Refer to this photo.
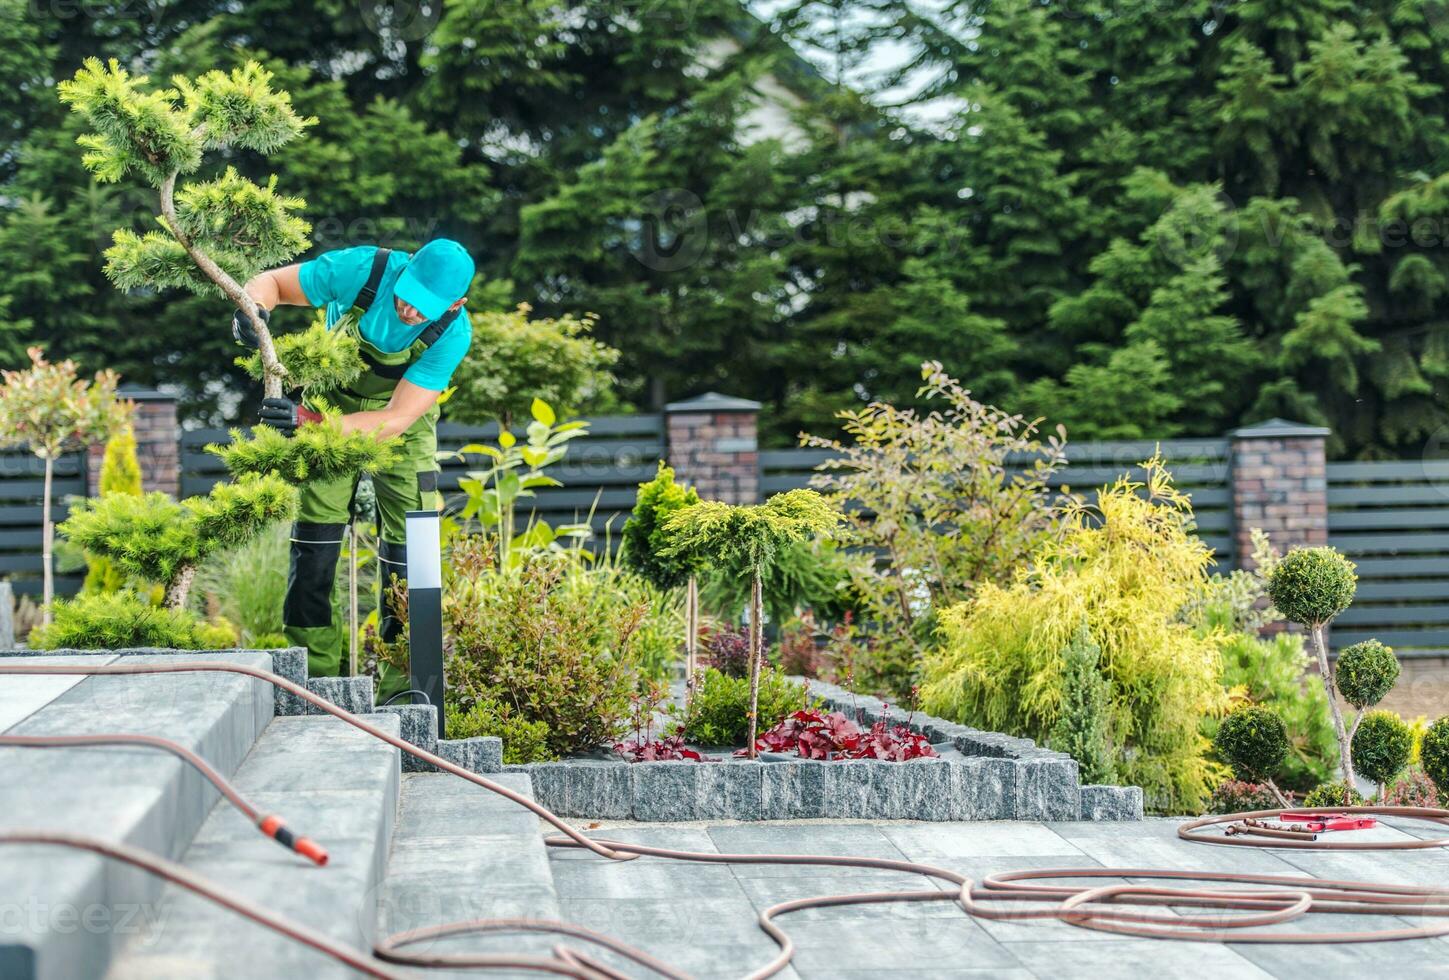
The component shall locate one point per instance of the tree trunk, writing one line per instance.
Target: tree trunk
(180, 586)
(272, 370)
(756, 643)
(691, 638)
(1345, 748)
(47, 546)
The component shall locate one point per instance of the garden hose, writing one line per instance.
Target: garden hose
(269, 824)
(1230, 914)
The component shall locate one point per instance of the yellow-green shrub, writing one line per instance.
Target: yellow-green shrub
(1125, 567)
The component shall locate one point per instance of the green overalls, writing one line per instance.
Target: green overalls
(313, 611)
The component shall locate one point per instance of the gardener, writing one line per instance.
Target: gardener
(406, 312)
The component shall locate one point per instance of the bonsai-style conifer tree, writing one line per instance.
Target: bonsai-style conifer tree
(212, 236)
(53, 411)
(1310, 586)
(746, 540)
(645, 546)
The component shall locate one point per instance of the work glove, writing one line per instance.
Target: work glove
(244, 332)
(285, 415)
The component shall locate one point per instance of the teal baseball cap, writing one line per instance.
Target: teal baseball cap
(436, 277)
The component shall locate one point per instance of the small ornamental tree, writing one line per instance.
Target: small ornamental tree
(1254, 741)
(1434, 754)
(213, 235)
(1382, 745)
(1310, 586)
(53, 411)
(1365, 672)
(644, 551)
(746, 539)
(155, 538)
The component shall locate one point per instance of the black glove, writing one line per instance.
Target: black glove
(244, 332)
(285, 415)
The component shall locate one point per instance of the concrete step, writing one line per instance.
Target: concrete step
(461, 852)
(77, 909)
(330, 782)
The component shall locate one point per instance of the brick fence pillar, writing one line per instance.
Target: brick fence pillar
(712, 444)
(158, 443)
(1279, 484)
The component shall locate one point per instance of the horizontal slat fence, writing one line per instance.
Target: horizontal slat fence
(1199, 467)
(22, 487)
(1392, 519)
(601, 472)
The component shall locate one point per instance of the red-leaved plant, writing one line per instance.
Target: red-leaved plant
(814, 734)
(671, 748)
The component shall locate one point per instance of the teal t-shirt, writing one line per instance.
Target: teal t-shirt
(333, 279)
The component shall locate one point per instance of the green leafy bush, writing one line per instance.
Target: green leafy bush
(316, 451)
(1434, 753)
(1414, 788)
(552, 638)
(901, 476)
(1254, 741)
(1124, 567)
(116, 620)
(523, 741)
(1272, 671)
(1335, 793)
(1081, 726)
(1381, 746)
(719, 712)
(1365, 673)
(1312, 585)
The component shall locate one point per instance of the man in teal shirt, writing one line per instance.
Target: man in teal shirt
(406, 312)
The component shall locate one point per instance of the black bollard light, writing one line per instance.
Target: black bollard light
(425, 606)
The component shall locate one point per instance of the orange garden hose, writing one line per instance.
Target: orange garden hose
(1230, 914)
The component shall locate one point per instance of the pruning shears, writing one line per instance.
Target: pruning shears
(1319, 822)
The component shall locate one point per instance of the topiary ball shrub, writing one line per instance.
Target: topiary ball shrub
(1434, 753)
(1254, 741)
(1382, 746)
(1333, 794)
(1312, 585)
(1365, 673)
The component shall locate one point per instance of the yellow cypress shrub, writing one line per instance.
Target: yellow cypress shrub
(120, 473)
(1124, 566)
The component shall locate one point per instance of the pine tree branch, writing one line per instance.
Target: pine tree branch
(272, 370)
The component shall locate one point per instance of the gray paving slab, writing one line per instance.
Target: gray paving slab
(926, 842)
(326, 780)
(21, 696)
(1134, 958)
(855, 839)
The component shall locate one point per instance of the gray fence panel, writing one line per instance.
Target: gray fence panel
(1392, 520)
(22, 487)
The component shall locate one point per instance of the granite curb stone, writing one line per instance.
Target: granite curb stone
(418, 725)
(1111, 803)
(482, 754)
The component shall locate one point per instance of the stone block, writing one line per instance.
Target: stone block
(291, 663)
(858, 789)
(480, 754)
(352, 694)
(1111, 803)
(666, 790)
(793, 790)
(731, 790)
(922, 790)
(419, 726)
(600, 789)
(551, 786)
(982, 788)
(1046, 789)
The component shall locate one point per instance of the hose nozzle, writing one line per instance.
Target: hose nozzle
(277, 830)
